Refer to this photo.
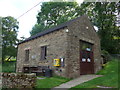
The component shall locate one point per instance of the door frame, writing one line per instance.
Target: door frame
(92, 51)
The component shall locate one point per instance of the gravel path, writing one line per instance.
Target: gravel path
(77, 81)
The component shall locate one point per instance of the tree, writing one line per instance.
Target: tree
(21, 39)
(54, 13)
(102, 14)
(37, 28)
(9, 37)
(106, 21)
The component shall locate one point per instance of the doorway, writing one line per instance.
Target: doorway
(86, 58)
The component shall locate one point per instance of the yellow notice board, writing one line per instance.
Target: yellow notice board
(56, 62)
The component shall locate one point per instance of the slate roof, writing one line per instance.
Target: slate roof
(49, 31)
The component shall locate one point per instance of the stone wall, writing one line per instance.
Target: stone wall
(14, 80)
(63, 43)
(81, 29)
(56, 48)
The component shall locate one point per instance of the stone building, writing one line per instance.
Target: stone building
(70, 49)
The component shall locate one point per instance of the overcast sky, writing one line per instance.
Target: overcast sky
(16, 8)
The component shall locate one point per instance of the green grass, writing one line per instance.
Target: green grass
(50, 82)
(8, 67)
(110, 78)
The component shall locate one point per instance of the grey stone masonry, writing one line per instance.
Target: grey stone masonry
(61, 42)
(15, 80)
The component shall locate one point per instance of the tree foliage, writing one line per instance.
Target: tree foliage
(102, 14)
(9, 36)
(54, 13)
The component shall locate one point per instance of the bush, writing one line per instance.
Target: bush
(106, 56)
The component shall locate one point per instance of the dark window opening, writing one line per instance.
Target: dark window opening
(86, 46)
(43, 52)
(27, 55)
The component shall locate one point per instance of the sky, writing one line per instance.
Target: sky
(16, 8)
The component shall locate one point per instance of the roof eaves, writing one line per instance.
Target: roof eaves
(42, 34)
(49, 30)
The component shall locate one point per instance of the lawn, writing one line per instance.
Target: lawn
(50, 82)
(110, 78)
(9, 66)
